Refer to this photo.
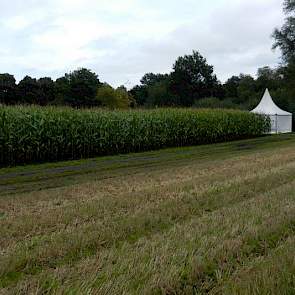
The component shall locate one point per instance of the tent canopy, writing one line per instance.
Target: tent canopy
(268, 107)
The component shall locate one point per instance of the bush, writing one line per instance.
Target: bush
(214, 102)
(113, 98)
(36, 134)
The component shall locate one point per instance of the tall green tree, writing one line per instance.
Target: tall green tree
(285, 40)
(47, 91)
(285, 37)
(79, 88)
(193, 78)
(28, 90)
(286, 91)
(231, 87)
(142, 93)
(268, 78)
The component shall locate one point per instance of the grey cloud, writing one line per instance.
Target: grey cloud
(233, 35)
(233, 39)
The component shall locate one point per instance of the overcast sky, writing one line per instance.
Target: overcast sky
(123, 39)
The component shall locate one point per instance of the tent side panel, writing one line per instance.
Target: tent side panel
(280, 124)
(273, 121)
(284, 124)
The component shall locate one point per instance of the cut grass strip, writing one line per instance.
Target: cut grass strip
(96, 228)
(273, 273)
(90, 207)
(82, 241)
(22, 204)
(191, 257)
(34, 178)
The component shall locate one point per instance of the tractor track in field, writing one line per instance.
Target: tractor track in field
(21, 178)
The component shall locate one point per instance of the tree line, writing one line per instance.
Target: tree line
(192, 82)
(80, 88)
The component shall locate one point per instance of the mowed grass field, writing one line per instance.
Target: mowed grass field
(215, 219)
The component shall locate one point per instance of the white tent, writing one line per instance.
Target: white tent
(281, 121)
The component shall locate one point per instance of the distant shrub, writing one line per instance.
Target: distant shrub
(215, 103)
(113, 98)
(36, 134)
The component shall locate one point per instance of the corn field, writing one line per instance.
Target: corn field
(36, 134)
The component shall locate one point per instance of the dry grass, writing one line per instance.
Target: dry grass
(220, 224)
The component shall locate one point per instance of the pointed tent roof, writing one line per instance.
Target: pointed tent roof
(268, 107)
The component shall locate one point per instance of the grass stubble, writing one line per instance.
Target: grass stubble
(221, 227)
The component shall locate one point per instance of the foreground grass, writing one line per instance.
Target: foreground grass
(212, 219)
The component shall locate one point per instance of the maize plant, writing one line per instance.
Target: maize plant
(30, 134)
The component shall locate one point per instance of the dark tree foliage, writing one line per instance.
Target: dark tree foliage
(29, 91)
(285, 40)
(231, 86)
(192, 79)
(246, 90)
(268, 78)
(286, 91)
(289, 5)
(214, 102)
(80, 88)
(47, 91)
(62, 89)
(140, 94)
(151, 79)
(159, 95)
(7, 89)
(285, 37)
